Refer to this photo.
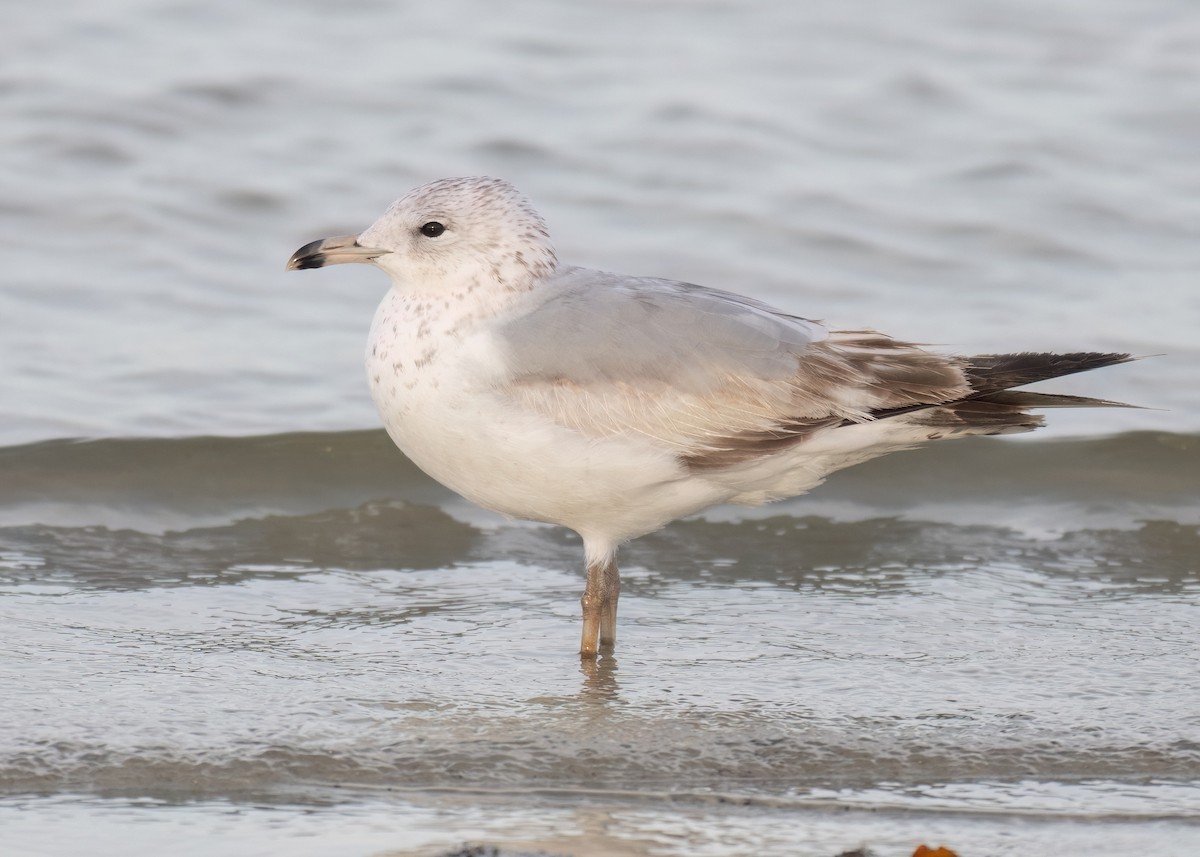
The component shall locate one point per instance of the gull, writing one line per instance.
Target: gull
(614, 404)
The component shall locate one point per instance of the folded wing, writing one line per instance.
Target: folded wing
(713, 377)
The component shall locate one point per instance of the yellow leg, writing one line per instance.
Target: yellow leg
(608, 613)
(600, 608)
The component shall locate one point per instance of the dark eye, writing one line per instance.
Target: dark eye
(432, 229)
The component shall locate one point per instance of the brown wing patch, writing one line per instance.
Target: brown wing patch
(902, 379)
(843, 380)
(885, 372)
(748, 446)
(726, 418)
(975, 416)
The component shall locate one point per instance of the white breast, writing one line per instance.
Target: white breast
(434, 372)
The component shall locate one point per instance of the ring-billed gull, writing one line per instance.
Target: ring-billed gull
(613, 404)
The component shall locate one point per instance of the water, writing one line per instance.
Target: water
(314, 628)
(237, 618)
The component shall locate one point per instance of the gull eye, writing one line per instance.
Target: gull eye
(432, 229)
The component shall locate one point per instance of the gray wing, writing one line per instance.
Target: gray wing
(703, 372)
(607, 327)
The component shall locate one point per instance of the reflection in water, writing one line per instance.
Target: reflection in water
(599, 679)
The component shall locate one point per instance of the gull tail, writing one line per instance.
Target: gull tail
(991, 373)
(994, 407)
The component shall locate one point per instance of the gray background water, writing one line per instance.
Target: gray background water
(985, 176)
(219, 646)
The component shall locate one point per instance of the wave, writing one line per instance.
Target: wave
(159, 484)
(133, 513)
(638, 756)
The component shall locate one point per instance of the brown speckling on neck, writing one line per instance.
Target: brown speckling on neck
(463, 323)
(426, 357)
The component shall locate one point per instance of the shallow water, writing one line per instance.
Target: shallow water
(348, 639)
(237, 621)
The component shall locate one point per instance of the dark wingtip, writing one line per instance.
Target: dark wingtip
(989, 373)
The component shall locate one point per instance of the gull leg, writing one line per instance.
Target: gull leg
(599, 603)
(608, 611)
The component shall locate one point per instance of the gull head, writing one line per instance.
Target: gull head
(447, 235)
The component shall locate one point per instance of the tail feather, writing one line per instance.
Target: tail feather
(989, 373)
(1026, 399)
(994, 408)
(976, 416)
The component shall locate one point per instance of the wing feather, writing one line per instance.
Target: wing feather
(712, 377)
